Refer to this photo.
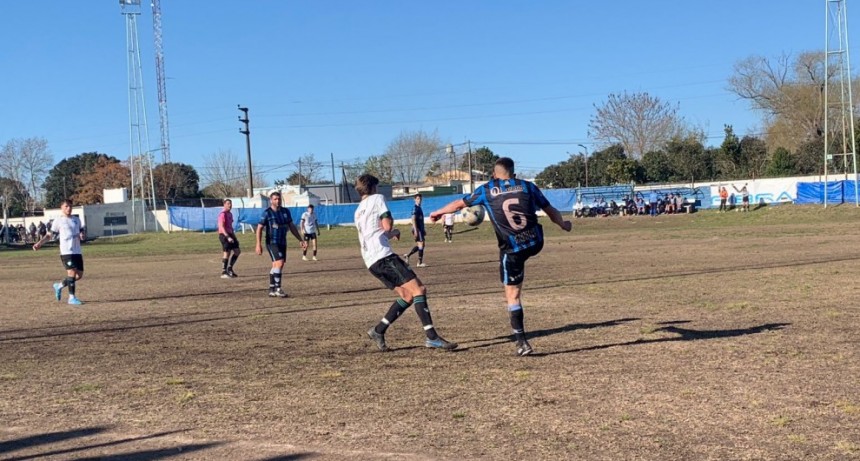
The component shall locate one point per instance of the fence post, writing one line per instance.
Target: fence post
(203, 209)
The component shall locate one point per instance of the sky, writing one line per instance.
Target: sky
(345, 78)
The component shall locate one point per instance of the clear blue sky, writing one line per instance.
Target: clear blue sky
(347, 77)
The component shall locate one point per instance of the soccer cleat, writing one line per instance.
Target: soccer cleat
(440, 343)
(406, 258)
(279, 293)
(422, 265)
(304, 258)
(378, 338)
(232, 274)
(524, 348)
(58, 291)
(315, 258)
(273, 294)
(75, 302)
(225, 275)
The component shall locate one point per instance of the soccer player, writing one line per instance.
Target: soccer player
(276, 220)
(229, 242)
(513, 205)
(418, 232)
(310, 228)
(375, 228)
(448, 223)
(71, 236)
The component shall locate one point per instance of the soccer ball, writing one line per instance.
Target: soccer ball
(473, 215)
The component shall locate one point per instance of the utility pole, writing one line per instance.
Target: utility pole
(471, 181)
(336, 200)
(247, 133)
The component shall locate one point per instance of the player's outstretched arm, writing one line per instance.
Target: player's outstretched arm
(452, 207)
(556, 217)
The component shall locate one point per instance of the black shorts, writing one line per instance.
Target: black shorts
(512, 266)
(449, 227)
(420, 235)
(311, 236)
(227, 246)
(75, 262)
(392, 271)
(746, 199)
(277, 251)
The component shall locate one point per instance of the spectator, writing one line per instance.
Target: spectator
(653, 199)
(745, 197)
(670, 203)
(724, 195)
(640, 205)
(32, 232)
(43, 231)
(679, 203)
(578, 208)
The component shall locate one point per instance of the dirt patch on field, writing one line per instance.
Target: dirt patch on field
(684, 344)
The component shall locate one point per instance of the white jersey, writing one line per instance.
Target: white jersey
(449, 219)
(70, 234)
(374, 243)
(309, 223)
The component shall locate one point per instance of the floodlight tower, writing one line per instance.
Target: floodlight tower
(161, 81)
(138, 132)
(838, 97)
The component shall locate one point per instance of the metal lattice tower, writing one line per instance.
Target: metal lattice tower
(838, 96)
(138, 131)
(161, 81)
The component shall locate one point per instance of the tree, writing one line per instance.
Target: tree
(809, 157)
(13, 201)
(105, 174)
(789, 93)
(411, 154)
(638, 122)
(483, 159)
(624, 170)
(176, 180)
(567, 174)
(598, 165)
(297, 179)
(729, 157)
(690, 160)
(226, 175)
(61, 182)
(26, 161)
(379, 166)
(754, 155)
(657, 166)
(781, 163)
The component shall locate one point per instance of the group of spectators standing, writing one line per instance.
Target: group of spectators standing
(21, 234)
(654, 204)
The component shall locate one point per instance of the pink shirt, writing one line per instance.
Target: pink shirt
(225, 223)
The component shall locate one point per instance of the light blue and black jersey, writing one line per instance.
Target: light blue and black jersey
(512, 205)
(418, 214)
(277, 224)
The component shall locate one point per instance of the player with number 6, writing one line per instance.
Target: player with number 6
(512, 204)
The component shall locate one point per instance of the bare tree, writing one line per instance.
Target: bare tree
(638, 122)
(411, 155)
(27, 161)
(789, 93)
(309, 169)
(224, 174)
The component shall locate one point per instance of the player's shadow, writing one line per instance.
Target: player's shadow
(66, 437)
(548, 332)
(684, 334)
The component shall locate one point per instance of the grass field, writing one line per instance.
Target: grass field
(702, 336)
